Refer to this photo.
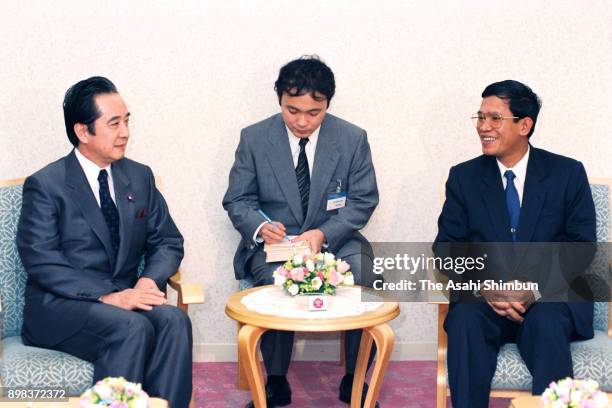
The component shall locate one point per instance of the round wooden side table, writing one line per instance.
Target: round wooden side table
(373, 323)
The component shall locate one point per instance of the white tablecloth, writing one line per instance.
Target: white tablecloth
(275, 301)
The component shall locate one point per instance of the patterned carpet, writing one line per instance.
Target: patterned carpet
(407, 384)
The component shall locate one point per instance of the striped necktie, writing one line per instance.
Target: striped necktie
(302, 174)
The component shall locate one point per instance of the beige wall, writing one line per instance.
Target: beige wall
(410, 72)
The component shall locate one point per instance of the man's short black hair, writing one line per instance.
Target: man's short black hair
(522, 101)
(80, 107)
(307, 74)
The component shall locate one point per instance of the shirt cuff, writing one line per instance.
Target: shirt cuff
(536, 294)
(256, 239)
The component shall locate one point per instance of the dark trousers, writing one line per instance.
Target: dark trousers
(153, 348)
(276, 345)
(476, 333)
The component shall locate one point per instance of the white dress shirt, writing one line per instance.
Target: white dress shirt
(92, 171)
(520, 172)
(310, 148)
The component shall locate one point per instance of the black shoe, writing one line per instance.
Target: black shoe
(346, 387)
(277, 395)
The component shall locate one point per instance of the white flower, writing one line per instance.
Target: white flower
(141, 403)
(104, 391)
(349, 280)
(319, 257)
(316, 283)
(329, 258)
(601, 399)
(298, 260)
(576, 397)
(279, 280)
(293, 290)
(559, 404)
(310, 265)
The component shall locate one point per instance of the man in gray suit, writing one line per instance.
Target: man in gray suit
(87, 220)
(290, 166)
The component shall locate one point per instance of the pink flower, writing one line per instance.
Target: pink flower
(335, 278)
(282, 271)
(321, 276)
(297, 274)
(343, 267)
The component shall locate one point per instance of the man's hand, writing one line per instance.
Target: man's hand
(272, 233)
(512, 304)
(315, 239)
(137, 298)
(511, 310)
(145, 283)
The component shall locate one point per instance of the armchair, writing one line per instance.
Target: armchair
(24, 366)
(592, 358)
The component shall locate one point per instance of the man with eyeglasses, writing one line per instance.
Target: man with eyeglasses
(513, 193)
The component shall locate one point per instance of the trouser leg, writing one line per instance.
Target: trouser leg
(168, 372)
(475, 335)
(544, 343)
(276, 345)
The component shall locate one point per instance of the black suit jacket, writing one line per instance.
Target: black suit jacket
(65, 244)
(557, 206)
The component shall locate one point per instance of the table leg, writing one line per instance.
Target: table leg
(361, 367)
(248, 337)
(242, 379)
(383, 336)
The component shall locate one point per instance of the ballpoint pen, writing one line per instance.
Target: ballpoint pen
(263, 214)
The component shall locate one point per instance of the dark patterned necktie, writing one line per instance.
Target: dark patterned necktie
(109, 210)
(302, 173)
(513, 203)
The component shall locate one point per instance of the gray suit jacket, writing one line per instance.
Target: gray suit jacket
(263, 176)
(66, 249)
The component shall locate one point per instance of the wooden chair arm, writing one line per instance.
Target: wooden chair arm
(188, 293)
(441, 386)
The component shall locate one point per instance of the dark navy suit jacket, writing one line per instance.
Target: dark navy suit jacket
(557, 206)
(65, 244)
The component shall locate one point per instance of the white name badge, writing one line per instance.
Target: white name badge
(336, 200)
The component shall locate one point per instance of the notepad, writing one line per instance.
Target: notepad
(284, 251)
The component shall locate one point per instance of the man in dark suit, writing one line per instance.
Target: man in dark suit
(87, 220)
(290, 166)
(513, 193)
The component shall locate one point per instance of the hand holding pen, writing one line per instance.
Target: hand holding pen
(272, 232)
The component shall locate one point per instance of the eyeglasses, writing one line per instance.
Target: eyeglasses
(495, 119)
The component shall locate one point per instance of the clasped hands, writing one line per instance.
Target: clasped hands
(144, 296)
(275, 233)
(511, 304)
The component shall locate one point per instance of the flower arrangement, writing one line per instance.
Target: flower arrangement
(115, 392)
(314, 273)
(570, 393)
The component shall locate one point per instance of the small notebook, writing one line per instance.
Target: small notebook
(285, 251)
